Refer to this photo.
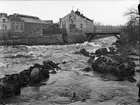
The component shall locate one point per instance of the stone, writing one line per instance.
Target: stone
(83, 52)
(44, 74)
(91, 60)
(112, 50)
(124, 71)
(101, 51)
(50, 65)
(38, 75)
(9, 87)
(130, 79)
(117, 43)
(87, 69)
(24, 78)
(36, 65)
(34, 76)
(1, 91)
(52, 72)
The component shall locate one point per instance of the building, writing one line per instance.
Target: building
(18, 25)
(76, 20)
(76, 25)
(48, 21)
(5, 25)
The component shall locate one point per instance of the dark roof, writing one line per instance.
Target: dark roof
(29, 19)
(3, 14)
(81, 15)
(14, 18)
(26, 16)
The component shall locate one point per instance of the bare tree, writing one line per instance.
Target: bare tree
(132, 26)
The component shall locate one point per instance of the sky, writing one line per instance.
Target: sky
(108, 12)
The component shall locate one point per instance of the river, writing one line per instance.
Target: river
(90, 88)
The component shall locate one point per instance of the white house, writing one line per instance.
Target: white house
(76, 20)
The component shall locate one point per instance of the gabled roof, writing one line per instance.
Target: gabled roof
(81, 15)
(5, 14)
(26, 16)
(29, 19)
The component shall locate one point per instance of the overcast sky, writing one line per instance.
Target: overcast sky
(103, 11)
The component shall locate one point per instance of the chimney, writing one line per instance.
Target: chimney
(77, 12)
(72, 11)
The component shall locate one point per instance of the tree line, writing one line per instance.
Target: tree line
(130, 30)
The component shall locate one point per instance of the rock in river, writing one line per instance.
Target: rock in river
(83, 52)
(10, 85)
(101, 51)
(105, 64)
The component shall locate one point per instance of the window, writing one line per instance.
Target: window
(5, 27)
(17, 27)
(72, 26)
(81, 25)
(21, 27)
(3, 20)
(13, 25)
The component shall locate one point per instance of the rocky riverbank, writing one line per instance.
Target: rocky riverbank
(11, 85)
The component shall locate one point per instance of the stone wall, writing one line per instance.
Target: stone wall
(51, 39)
(76, 37)
(40, 40)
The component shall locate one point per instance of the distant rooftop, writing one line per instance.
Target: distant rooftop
(26, 16)
(28, 19)
(15, 18)
(3, 14)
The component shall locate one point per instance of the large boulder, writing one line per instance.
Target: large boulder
(112, 50)
(117, 43)
(126, 69)
(38, 75)
(105, 64)
(83, 52)
(44, 74)
(24, 77)
(9, 87)
(91, 59)
(121, 58)
(50, 65)
(101, 51)
(34, 76)
(87, 69)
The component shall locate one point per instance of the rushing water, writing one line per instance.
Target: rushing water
(14, 59)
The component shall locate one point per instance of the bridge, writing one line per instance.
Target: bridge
(90, 36)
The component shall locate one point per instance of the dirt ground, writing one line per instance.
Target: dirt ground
(70, 85)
